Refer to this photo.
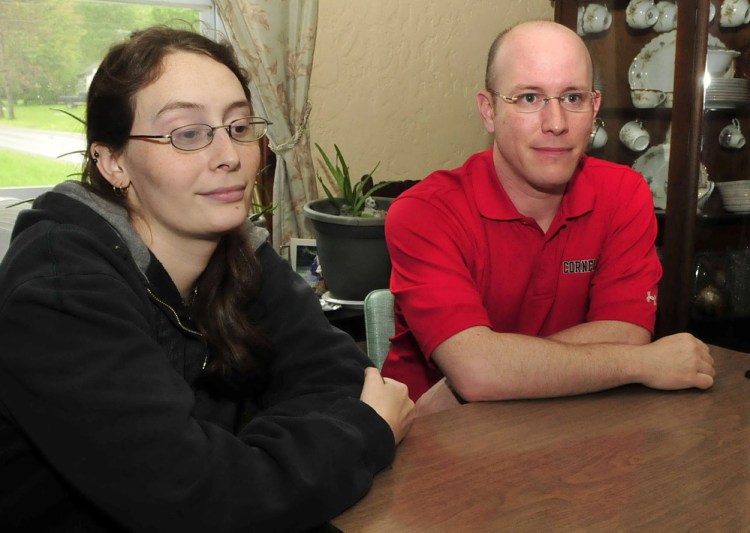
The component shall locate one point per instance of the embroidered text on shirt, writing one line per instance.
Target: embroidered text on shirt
(579, 266)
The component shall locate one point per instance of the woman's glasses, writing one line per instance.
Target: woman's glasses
(196, 136)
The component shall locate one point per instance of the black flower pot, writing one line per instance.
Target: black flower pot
(351, 250)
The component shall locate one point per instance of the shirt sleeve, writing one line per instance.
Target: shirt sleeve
(625, 287)
(434, 261)
(85, 382)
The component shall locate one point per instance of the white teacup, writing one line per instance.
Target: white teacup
(667, 20)
(734, 13)
(731, 136)
(641, 14)
(647, 98)
(599, 135)
(596, 18)
(711, 11)
(579, 23)
(634, 136)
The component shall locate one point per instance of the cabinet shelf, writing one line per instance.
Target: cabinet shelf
(727, 106)
(724, 218)
(709, 220)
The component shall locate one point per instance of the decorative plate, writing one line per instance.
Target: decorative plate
(654, 166)
(653, 67)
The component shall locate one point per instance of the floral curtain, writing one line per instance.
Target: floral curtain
(276, 40)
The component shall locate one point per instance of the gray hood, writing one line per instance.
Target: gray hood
(118, 218)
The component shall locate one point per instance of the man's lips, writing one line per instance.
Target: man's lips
(552, 150)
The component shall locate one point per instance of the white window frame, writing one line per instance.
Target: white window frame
(211, 24)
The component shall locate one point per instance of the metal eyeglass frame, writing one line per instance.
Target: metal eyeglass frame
(546, 98)
(229, 127)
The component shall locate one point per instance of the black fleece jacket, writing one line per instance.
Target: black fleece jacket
(107, 420)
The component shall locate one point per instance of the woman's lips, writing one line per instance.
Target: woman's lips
(226, 194)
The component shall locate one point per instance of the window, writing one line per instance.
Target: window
(49, 51)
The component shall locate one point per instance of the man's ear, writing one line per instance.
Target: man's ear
(597, 102)
(486, 110)
(108, 163)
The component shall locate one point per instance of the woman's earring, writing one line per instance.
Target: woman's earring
(95, 159)
(121, 191)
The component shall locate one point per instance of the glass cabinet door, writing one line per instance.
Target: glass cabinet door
(629, 53)
(675, 83)
(720, 299)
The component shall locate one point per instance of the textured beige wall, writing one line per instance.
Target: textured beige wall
(394, 80)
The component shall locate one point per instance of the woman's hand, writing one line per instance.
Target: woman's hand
(390, 399)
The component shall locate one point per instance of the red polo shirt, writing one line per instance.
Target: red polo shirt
(464, 256)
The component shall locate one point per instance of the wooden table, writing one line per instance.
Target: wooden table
(629, 459)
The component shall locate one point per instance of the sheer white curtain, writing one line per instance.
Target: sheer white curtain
(276, 40)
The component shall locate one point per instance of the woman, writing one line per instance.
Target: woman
(162, 368)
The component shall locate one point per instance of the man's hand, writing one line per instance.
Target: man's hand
(677, 362)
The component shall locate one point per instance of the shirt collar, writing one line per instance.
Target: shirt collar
(494, 203)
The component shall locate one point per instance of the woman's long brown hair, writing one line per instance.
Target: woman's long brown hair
(232, 277)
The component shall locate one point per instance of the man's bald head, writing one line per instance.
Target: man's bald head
(519, 39)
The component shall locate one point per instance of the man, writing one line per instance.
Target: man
(531, 270)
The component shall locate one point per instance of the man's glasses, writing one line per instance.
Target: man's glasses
(576, 101)
(196, 136)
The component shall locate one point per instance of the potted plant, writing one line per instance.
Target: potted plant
(349, 229)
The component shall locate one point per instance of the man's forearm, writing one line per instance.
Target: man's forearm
(483, 365)
(604, 331)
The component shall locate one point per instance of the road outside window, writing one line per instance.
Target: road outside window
(49, 52)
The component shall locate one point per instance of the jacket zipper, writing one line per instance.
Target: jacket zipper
(179, 322)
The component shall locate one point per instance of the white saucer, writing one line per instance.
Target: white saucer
(346, 303)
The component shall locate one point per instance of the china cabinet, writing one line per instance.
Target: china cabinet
(658, 73)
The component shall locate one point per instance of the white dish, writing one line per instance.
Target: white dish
(738, 210)
(735, 196)
(328, 297)
(653, 67)
(731, 82)
(327, 306)
(654, 166)
(734, 185)
(725, 103)
(723, 93)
